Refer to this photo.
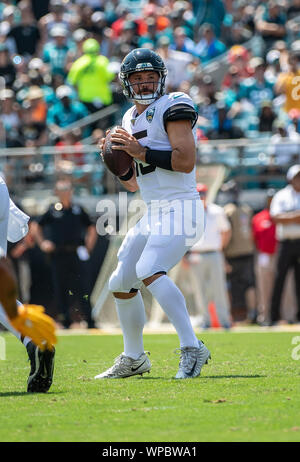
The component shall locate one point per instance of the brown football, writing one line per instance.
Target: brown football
(117, 161)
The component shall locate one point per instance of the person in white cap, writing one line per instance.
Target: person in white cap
(285, 211)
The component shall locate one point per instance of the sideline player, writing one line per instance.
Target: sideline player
(158, 133)
(27, 322)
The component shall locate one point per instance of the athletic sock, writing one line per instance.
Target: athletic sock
(173, 303)
(131, 313)
(4, 320)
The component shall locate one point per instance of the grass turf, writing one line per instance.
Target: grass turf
(248, 392)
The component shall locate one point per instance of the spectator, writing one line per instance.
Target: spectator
(284, 145)
(57, 16)
(181, 42)
(26, 34)
(264, 235)
(271, 23)
(209, 46)
(91, 76)
(7, 68)
(257, 88)
(209, 11)
(207, 263)
(67, 235)
(65, 111)
(152, 34)
(222, 124)
(33, 114)
(56, 52)
(285, 212)
(10, 117)
(288, 84)
(267, 117)
(207, 104)
(176, 62)
(240, 257)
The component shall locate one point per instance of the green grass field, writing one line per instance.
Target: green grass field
(248, 392)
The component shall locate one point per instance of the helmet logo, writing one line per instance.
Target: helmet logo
(142, 66)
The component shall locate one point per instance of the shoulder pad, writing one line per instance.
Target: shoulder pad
(180, 111)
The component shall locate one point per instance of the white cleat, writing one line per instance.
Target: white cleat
(124, 366)
(192, 360)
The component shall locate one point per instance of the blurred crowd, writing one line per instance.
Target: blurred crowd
(59, 61)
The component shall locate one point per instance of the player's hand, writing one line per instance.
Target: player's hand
(47, 246)
(101, 144)
(32, 322)
(128, 144)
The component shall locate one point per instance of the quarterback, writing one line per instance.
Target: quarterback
(28, 323)
(158, 133)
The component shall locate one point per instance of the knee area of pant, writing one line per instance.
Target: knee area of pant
(115, 283)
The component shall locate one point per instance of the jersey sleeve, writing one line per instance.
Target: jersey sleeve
(179, 106)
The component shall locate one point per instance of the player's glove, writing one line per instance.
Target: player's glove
(32, 322)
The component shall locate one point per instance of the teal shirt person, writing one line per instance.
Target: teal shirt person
(65, 110)
(209, 11)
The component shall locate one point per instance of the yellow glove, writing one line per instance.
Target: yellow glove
(32, 322)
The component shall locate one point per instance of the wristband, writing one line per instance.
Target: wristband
(157, 158)
(127, 175)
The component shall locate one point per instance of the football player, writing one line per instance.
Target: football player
(158, 133)
(28, 323)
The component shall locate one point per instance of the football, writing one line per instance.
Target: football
(117, 161)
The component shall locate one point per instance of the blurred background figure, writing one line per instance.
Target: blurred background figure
(91, 77)
(66, 233)
(207, 264)
(285, 212)
(264, 235)
(239, 255)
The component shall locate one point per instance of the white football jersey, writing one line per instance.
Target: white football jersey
(157, 183)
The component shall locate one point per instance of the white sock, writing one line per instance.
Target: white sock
(131, 312)
(4, 320)
(173, 303)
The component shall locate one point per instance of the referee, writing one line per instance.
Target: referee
(66, 233)
(285, 211)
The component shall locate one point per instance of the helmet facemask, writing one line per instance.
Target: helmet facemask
(149, 98)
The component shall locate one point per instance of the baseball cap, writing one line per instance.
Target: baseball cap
(6, 93)
(272, 56)
(58, 31)
(292, 172)
(62, 91)
(256, 62)
(35, 92)
(79, 34)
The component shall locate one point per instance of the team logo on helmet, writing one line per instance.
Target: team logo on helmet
(142, 66)
(150, 114)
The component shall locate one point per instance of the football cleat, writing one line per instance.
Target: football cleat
(192, 360)
(124, 366)
(42, 367)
